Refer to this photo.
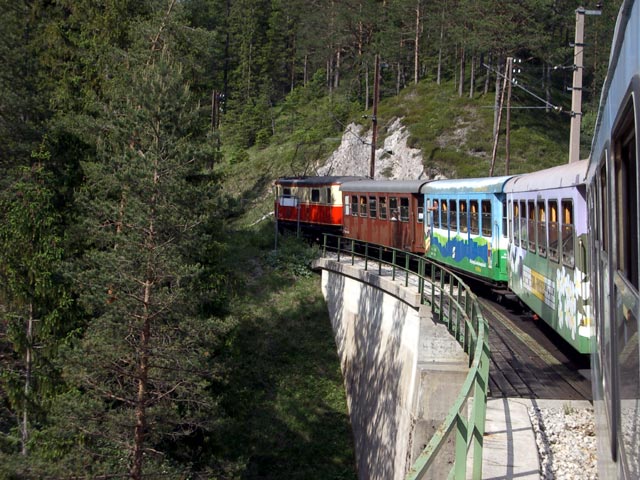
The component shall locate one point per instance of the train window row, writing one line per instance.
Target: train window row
(380, 207)
(535, 225)
(313, 195)
(463, 216)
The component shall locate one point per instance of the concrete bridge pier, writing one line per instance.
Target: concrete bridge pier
(402, 370)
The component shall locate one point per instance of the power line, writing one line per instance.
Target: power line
(537, 97)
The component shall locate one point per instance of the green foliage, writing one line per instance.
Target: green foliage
(293, 257)
(286, 414)
(36, 301)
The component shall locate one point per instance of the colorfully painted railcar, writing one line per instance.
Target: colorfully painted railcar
(466, 226)
(614, 208)
(389, 213)
(310, 204)
(548, 260)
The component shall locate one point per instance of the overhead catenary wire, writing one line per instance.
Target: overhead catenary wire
(537, 97)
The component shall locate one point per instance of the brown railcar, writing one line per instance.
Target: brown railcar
(389, 213)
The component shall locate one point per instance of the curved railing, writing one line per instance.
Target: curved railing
(453, 304)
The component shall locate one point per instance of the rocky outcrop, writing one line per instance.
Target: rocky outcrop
(394, 159)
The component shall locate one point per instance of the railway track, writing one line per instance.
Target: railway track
(528, 360)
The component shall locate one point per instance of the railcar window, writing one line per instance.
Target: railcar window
(627, 204)
(486, 218)
(286, 192)
(542, 228)
(444, 214)
(475, 221)
(373, 207)
(523, 224)
(464, 216)
(515, 227)
(404, 209)
(315, 195)
(382, 204)
(553, 230)
(329, 196)
(504, 218)
(604, 206)
(347, 205)
(354, 205)
(363, 206)
(567, 233)
(531, 216)
(453, 216)
(393, 206)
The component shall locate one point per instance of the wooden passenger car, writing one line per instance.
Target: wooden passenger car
(389, 213)
(310, 203)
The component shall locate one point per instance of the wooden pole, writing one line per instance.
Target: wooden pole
(497, 132)
(374, 117)
(507, 135)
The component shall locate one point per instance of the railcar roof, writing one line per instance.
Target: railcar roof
(317, 180)
(384, 186)
(566, 175)
(477, 185)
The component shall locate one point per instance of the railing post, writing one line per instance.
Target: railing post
(406, 269)
(353, 252)
(433, 286)
(457, 322)
(462, 433)
(421, 270)
(366, 256)
(393, 265)
(440, 307)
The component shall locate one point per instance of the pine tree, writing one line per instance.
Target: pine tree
(35, 301)
(140, 373)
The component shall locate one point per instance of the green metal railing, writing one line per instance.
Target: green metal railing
(452, 303)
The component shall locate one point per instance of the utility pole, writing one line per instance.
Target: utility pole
(507, 80)
(507, 134)
(576, 89)
(374, 117)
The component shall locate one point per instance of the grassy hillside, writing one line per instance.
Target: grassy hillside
(454, 134)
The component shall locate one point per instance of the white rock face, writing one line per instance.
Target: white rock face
(394, 159)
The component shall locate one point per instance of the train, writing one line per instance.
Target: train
(565, 241)
(521, 234)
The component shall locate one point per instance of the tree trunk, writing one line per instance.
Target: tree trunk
(336, 77)
(547, 84)
(28, 361)
(496, 102)
(416, 47)
(439, 76)
(306, 73)
(463, 60)
(472, 80)
(488, 77)
(366, 86)
(143, 376)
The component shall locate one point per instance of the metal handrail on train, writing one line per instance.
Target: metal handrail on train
(453, 304)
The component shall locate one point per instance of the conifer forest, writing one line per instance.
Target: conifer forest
(126, 131)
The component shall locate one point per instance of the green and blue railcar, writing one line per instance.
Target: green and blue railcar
(466, 227)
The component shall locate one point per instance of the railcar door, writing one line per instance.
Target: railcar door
(417, 224)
